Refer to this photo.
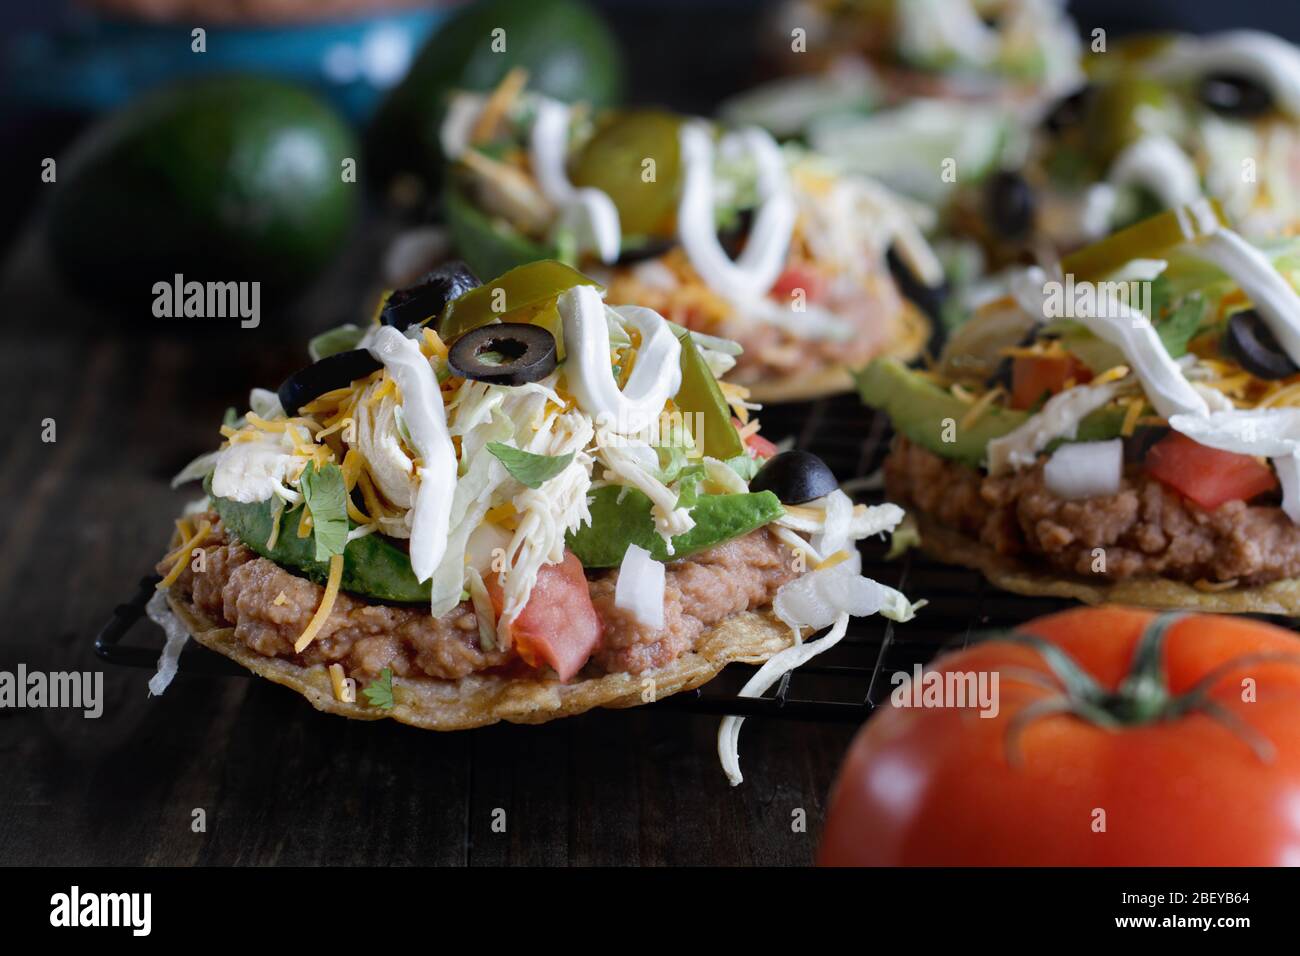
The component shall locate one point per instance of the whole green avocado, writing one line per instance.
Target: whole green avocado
(232, 178)
(567, 49)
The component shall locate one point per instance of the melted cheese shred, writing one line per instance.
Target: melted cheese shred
(326, 605)
(182, 553)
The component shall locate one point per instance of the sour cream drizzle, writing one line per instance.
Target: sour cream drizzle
(589, 212)
(655, 378)
(1273, 297)
(1271, 60)
(759, 265)
(1133, 334)
(1156, 163)
(426, 420)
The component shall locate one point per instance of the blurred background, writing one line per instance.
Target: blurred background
(67, 63)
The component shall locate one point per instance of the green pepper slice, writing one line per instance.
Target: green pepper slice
(1148, 239)
(1115, 117)
(614, 161)
(516, 296)
(699, 393)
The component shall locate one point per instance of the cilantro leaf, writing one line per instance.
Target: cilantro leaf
(380, 691)
(527, 468)
(326, 498)
(1179, 326)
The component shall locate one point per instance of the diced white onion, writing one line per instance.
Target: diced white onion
(1085, 469)
(640, 587)
(1059, 418)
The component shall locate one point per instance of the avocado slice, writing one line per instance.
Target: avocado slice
(919, 410)
(372, 566)
(218, 179)
(616, 523)
(699, 394)
(491, 247)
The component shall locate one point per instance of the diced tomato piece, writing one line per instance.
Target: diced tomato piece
(799, 277)
(1206, 475)
(559, 625)
(1032, 377)
(759, 447)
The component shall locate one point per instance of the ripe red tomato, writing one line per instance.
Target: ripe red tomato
(1213, 786)
(1206, 475)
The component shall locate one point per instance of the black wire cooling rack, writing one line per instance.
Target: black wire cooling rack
(842, 684)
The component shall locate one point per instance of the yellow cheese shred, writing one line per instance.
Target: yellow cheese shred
(343, 692)
(276, 514)
(433, 344)
(982, 405)
(182, 553)
(1131, 415)
(326, 605)
(829, 562)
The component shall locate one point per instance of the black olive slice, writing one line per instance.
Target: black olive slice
(1069, 111)
(795, 477)
(1249, 340)
(1009, 204)
(426, 298)
(331, 372)
(504, 353)
(651, 248)
(929, 299)
(1236, 95)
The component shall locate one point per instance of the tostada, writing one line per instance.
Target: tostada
(511, 502)
(1124, 428)
(721, 230)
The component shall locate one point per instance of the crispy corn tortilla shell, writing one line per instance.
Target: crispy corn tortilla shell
(836, 379)
(938, 541)
(478, 700)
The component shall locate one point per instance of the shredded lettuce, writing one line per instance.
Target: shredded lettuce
(336, 340)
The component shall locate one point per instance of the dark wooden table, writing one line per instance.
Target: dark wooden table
(87, 515)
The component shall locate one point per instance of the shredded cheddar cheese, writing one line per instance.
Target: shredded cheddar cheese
(1211, 587)
(838, 557)
(326, 605)
(343, 691)
(276, 515)
(182, 554)
(1113, 374)
(982, 405)
(1132, 412)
